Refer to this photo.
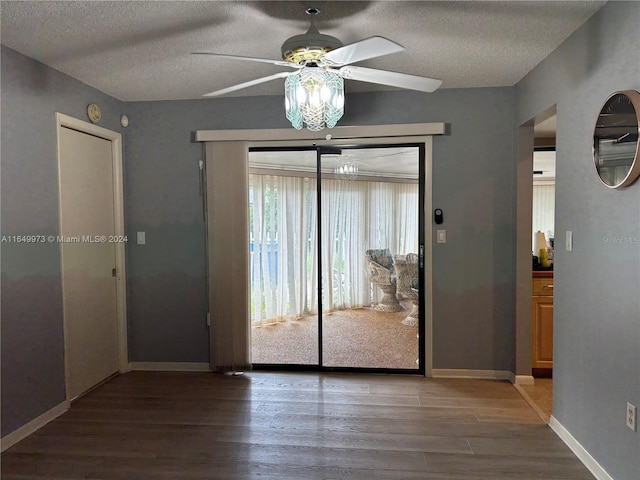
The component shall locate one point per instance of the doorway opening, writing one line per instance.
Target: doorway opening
(337, 257)
(543, 242)
(535, 277)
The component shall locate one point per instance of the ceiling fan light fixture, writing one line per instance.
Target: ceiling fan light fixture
(310, 46)
(314, 97)
(346, 169)
(303, 55)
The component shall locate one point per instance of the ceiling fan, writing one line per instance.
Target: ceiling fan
(314, 90)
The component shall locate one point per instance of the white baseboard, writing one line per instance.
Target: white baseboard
(171, 366)
(14, 437)
(478, 374)
(583, 455)
(524, 380)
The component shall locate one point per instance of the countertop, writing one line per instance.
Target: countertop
(542, 273)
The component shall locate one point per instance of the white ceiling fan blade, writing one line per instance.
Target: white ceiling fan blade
(371, 47)
(393, 79)
(281, 63)
(250, 83)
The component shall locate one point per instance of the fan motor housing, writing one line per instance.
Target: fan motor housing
(308, 47)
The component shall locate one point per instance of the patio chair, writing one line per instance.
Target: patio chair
(406, 268)
(380, 272)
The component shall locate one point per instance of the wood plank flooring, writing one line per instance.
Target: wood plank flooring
(540, 395)
(295, 426)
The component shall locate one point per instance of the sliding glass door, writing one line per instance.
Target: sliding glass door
(369, 230)
(336, 263)
(283, 218)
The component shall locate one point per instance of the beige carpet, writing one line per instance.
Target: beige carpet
(361, 337)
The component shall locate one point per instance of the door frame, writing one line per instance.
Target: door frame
(372, 134)
(65, 121)
(424, 184)
(525, 147)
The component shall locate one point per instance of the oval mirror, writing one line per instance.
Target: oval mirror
(615, 140)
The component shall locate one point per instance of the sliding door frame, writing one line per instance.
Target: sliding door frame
(369, 135)
(422, 173)
(422, 215)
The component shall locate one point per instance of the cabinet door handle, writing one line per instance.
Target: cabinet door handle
(547, 286)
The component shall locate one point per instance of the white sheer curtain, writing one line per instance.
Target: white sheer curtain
(343, 227)
(356, 216)
(394, 216)
(544, 200)
(283, 250)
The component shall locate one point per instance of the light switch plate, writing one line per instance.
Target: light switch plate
(631, 416)
(141, 238)
(441, 236)
(569, 241)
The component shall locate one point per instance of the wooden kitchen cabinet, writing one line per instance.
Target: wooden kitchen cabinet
(542, 320)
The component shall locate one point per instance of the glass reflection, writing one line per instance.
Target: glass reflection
(615, 140)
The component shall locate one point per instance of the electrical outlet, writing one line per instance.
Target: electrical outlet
(631, 416)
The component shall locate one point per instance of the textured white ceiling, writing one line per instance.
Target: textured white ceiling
(140, 50)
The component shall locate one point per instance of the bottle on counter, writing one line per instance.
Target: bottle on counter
(544, 258)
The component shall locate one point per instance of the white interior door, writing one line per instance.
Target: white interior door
(88, 259)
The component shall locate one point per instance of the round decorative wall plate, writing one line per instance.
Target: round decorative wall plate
(124, 121)
(94, 113)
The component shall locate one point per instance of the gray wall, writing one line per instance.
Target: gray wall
(32, 335)
(473, 272)
(472, 178)
(596, 303)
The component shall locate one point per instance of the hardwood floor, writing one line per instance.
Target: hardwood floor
(540, 396)
(295, 426)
